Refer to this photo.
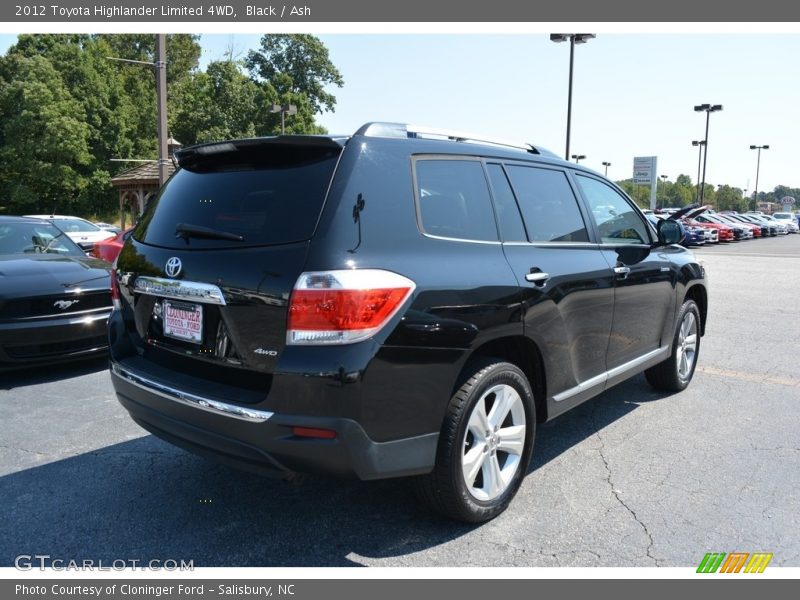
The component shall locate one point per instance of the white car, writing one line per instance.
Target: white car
(787, 219)
(80, 231)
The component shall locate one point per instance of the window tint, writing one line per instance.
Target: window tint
(454, 200)
(548, 205)
(508, 217)
(269, 194)
(617, 220)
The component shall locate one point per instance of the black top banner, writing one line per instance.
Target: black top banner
(365, 11)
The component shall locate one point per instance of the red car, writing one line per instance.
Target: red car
(110, 248)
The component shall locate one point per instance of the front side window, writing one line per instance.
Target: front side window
(548, 206)
(454, 200)
(617, 221)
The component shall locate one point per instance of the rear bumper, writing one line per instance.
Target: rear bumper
(262, 441)
(29, 342)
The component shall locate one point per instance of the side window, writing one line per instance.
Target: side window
(454, 200)
(617, 220)
(508, 217)
(548, 205)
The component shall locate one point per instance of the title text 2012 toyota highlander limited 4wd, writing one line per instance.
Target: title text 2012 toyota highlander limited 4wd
(393, 303)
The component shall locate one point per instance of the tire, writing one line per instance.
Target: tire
(485, 445)
(675, 373)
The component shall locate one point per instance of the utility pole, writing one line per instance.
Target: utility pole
(161, 88)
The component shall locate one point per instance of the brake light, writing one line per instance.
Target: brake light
(115, 297)
(342, 307)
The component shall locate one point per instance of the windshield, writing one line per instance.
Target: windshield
(784, 216)
(74, 225)
(25, 237)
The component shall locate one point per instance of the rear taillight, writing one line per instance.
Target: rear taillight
(342, 307)
(115, 298)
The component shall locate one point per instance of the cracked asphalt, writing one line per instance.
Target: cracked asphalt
(632, 478)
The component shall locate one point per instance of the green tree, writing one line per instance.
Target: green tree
(729, 198)
(44, 138)
(296, 64)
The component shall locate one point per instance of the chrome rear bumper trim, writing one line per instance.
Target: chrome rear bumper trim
(193, 400)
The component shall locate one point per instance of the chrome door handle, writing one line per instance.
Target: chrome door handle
(622, 270)
(539, 278)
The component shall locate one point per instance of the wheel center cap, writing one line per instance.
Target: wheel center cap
(494, 441)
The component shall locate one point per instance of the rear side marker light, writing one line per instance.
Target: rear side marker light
(342, 307)
(313, 432)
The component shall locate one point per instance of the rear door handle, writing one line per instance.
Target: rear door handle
(537, 277)
(623, 271)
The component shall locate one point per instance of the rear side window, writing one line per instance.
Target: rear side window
(548, 205)
(617, 221)
(266, 194)
(508, 217)
(454, 200)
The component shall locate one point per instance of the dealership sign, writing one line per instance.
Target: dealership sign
(644, 169)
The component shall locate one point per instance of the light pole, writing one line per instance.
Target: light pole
(284, 109)
(578, 157)
(606, 165)
(708, 109)
(758, 167)
(663, 182)
(572, 38)
(699, 144)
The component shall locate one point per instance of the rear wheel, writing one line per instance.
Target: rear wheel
(675, 373)
(484, 447)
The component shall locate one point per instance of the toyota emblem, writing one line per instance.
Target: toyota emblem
(174, 266)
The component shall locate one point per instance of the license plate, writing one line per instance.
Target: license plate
(183, 321)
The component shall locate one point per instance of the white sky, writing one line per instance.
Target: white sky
(633, 93)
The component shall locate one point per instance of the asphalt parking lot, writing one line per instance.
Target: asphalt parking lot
(632, 478)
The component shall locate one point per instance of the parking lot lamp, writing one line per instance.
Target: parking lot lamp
(708, 109)
(572, 38)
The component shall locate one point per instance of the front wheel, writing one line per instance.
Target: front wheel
(675, 373)
(484, 447)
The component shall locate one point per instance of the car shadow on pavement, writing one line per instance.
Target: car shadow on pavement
(47, 373)
(146, 500)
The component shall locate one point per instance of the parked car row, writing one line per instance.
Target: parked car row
(703, 225)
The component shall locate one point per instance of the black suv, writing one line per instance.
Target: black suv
(397, 302)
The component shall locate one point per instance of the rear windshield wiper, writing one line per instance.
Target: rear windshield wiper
(187, 230)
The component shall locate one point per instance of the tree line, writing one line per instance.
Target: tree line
(681, 192)
(66, 110)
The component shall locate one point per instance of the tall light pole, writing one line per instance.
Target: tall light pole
(708, 109)
(758, 167)
(578, 157)
(699, 144)
(572, 38)
(606, 165)
(663, 182)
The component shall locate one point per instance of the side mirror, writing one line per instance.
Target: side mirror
(670, 232)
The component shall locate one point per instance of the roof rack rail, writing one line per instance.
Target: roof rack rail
(402, 130)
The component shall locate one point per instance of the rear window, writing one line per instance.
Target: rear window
(255, 195)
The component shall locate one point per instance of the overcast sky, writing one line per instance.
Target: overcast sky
(633, 94)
